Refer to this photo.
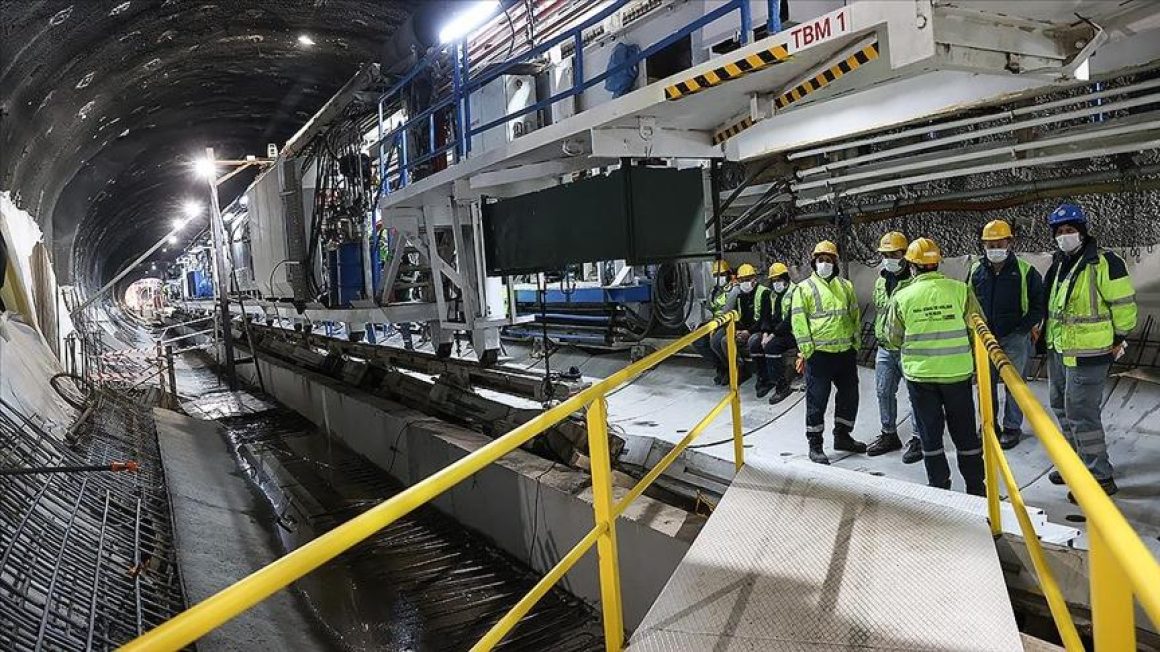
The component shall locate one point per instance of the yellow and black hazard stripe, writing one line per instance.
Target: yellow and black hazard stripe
(731, 70)
(732, 130)
(824, 78)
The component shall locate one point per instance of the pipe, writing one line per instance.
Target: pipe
(113, 467)
(1010, 114)
(973, 135)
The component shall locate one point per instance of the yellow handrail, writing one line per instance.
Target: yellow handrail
(219, 608)
(1120, 566)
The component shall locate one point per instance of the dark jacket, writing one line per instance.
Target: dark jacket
(1000, 296)
(777, 318)
(750, 319)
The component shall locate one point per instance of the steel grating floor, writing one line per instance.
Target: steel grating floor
(805, 557)
(86, 559)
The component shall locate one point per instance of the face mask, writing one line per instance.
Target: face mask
(892, 265)
(747, 286)
(825, 269)
(996, 255)
(1069, 242)
(780, 286)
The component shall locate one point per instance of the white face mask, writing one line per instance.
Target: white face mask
(825, 269)
(892, 265)
(780, 286)
(747, 286)
(1069, 242)
(996, 255)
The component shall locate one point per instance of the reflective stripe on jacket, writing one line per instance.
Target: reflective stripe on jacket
(928, 323)
(825, 316)
(1092, 307)
(882, 299)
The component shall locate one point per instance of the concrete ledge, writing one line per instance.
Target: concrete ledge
(533, 509)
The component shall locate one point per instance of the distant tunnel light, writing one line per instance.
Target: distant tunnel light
(191, 209)
(172, 240)
(205, 168)
(467, 20)
(304, 39)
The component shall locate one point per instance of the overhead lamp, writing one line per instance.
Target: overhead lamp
(172, 239)
(304, 39)
(466, 21)
(205, 168)
(191, 209)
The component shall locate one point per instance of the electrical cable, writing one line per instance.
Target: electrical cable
(754, 429)
(671, 295)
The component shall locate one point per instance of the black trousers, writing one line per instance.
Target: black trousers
(823, 371)
(950, 406)
(769, 358)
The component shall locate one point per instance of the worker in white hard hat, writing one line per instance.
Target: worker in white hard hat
(827, 326)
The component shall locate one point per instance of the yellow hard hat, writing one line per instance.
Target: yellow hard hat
(777, 269)
(893, 241)
(826, 247)
(996, 230)
(746, 270)
(721, 267)
(923, 251)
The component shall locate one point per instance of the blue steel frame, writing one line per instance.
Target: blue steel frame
(463, 84)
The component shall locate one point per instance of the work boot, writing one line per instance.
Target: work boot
(844, 442)
(1009, 438)
(763, 387)
(722, 378)
(1055, 477)
(913, 451)
(780, 393)
(1109, 487)
(817, 455)
(885, 443)
(743, 374)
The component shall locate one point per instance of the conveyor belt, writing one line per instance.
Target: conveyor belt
(799, 556)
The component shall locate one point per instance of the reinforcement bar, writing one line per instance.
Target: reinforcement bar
(1121, 566)
(219, 608)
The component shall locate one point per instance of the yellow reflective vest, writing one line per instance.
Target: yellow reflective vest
(928, 322)
(1090, 308)
(825, 316)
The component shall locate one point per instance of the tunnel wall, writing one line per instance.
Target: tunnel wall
(532, 508)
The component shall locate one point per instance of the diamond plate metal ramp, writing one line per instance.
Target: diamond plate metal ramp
(806, 557)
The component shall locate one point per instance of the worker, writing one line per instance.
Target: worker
(826, 324)
(749, 299)
(718, 296)
(768, 349)
(928, 324)
(894, 276)
(1010, 292)
(1091, 308)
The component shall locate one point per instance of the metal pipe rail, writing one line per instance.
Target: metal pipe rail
(1121, 566)
(233, 600)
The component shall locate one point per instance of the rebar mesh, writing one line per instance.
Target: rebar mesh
(86, 559)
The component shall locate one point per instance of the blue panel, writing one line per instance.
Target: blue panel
(346, 277)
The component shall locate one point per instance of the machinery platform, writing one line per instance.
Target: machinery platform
(799, 556)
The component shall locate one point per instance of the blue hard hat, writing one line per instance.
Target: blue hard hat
(1066, 214)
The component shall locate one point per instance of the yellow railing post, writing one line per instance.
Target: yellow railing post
(987, 412)
(1113, 608)
(602, 504)
(731, 350)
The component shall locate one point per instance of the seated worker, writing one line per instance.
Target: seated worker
(718, 296)
(776, 338)
(749, 299)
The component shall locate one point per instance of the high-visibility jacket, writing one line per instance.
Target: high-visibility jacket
(882, 306)
(825, 316)
(928, 322)
(1092, 307)
(718, 297)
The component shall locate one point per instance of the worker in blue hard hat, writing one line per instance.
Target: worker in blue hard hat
(1091, 308)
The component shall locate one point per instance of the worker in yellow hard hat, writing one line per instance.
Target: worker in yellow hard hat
(927, 322)
(722, 276)
(894, 276)
(1010, 292)
(827, 326)
(768, 351)
(749, 299)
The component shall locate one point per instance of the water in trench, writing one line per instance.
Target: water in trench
(422, 583)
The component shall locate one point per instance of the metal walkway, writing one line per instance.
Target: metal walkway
(799, 556)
